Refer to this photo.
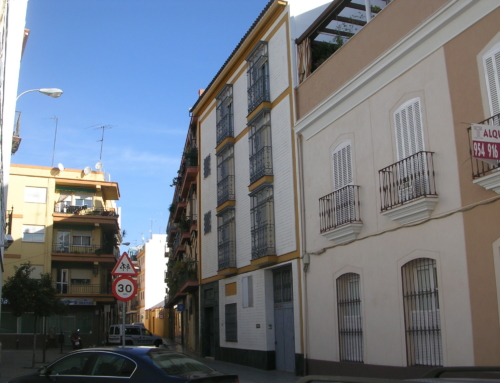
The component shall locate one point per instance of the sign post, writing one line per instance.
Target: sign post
(124, 287)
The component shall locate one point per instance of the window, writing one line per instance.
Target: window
(206, 166)
(226, 239)
(71, 365)
(247, 291)
(412, 176)
(225, 113)
(262, 215)
(225, 175)
(107, 364)
(261, 161)
(32, 233)
(82, 238)
(421, 310)
(349, 318)
(207, 222)
(491, 62)
(258, 76)
(83, 200)
(344, 193)
(231, 323)
(35, 195)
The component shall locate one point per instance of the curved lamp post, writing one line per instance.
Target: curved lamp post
(52, 92)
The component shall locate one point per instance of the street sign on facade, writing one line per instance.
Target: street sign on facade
(124, 266)
(486, 142)
(124, 288)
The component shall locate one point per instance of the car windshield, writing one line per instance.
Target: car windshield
(176, 364)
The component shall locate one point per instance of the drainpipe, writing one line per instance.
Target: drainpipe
(305, 256)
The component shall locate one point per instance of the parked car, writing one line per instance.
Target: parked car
(135, 335)
(127, 364)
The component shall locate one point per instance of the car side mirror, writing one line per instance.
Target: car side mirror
(42, 370)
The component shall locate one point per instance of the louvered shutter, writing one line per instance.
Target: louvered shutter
(409, 129)
(342, 177)
(492, 71)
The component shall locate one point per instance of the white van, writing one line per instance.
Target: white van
(135, 335)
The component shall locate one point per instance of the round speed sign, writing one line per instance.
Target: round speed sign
(124, 288)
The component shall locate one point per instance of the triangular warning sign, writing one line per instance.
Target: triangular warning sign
(124, 266)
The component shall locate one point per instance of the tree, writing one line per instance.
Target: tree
(34, 296)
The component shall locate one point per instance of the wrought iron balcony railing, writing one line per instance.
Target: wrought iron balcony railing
(225, 190)
(68, 288)
(258, 93)
(339, 208)
(261, 163)
(407, 180)
(90, 249)
(263, 241)
(227, 254)
(225, 128)
(481, 168)
(84, 210)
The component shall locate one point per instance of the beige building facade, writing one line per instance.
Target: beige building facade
(66, 222)
(399, 222)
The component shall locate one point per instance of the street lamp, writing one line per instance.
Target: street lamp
(52, 92)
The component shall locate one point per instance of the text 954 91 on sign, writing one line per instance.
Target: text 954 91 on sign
(124, 288)
(486, 141)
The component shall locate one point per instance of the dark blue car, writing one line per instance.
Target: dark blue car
(129, 364)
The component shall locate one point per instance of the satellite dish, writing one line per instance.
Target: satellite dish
(60, 167)
(87, 170)
(98, 166)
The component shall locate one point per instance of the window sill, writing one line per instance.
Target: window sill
(344, 233)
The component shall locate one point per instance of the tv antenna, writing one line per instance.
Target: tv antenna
(55, 136)
(103, 127)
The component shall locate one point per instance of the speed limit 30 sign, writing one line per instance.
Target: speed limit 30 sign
(124, 288)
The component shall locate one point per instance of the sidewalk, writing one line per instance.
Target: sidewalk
(14, 363)
(246, 374)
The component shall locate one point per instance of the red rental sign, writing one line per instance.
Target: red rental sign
(486, 142)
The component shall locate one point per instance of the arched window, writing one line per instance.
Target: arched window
(421, 310)
(349, 318)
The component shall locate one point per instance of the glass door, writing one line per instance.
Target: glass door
(62, 242)
(62, 281)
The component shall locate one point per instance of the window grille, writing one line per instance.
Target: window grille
(224, 113)
(349, 318)
(262, 212)
(421, 310)
(261, 162)
(225, 175)
(207, 222)
(231, 323)
(283, 285)
(226, 239)
(206, 166)
(258, 76)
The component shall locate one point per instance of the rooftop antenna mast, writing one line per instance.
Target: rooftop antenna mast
(55, 136)
(104, 127)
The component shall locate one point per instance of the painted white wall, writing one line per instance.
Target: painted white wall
(278, 63)
(208, 197)
(155, 267)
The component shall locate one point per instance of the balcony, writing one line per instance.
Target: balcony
(85, 210)
(227, 258)
(225, 128)
(90, 253)
(339, 214)
(188, 171)
(81, 289)
(225, 190)
(408, 188)
(485, 172)
(258, 93)
(261, 164)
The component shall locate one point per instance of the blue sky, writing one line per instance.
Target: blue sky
(134, 66)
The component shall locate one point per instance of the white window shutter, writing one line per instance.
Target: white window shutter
(492, 71)
(409, 129)
(342, 165)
